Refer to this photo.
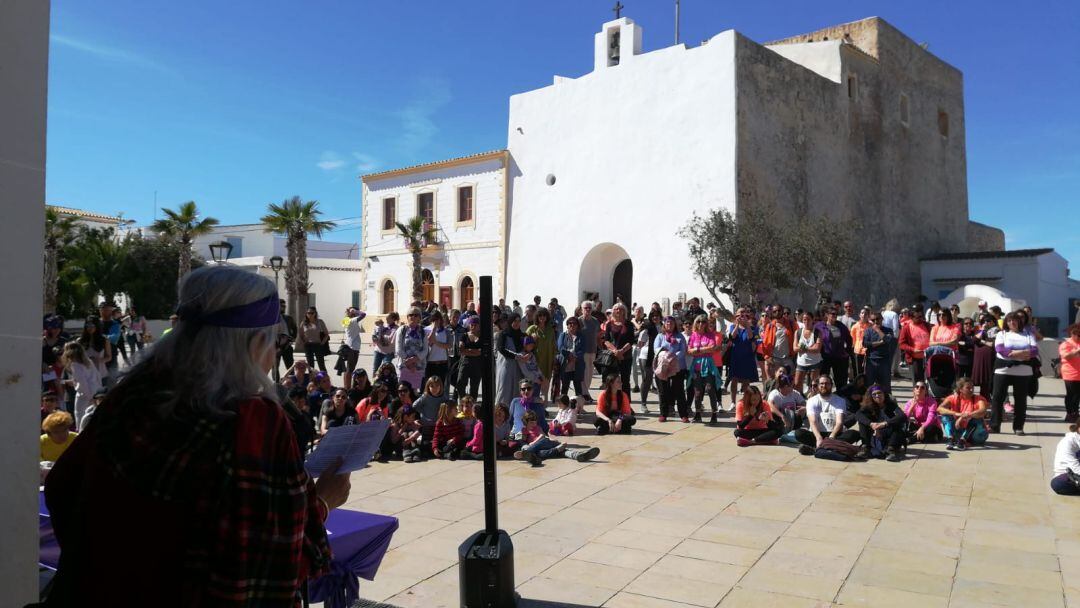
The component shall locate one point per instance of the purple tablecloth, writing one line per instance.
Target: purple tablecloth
(48, 549)
(358, 541)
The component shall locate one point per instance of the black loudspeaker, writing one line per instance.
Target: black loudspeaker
(486, 571)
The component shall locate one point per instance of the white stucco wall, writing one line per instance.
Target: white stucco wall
(653, 138)
(821, 57)
(24, 63)
(472, 249)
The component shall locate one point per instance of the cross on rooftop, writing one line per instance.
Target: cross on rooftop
(618, 8)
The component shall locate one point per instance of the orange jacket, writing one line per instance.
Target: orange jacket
(768, 336)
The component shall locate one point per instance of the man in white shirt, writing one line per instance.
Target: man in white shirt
(352, 343)
(849, 317)
(825, 417)
(1065, 460)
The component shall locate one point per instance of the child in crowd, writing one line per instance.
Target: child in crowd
(530, 368)
(407, 435)
(84, 377)
(466, 414)
(564, 419)
(449, 436)
(504, 446)
(58, 435)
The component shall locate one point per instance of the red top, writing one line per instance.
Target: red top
(121, 545)
(1070, 366)
(367, 407)
(760, 421)
(603, 407)
(914, 339)
(445, 431)
(946, 333)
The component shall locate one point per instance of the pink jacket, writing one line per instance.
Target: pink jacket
(924, 412)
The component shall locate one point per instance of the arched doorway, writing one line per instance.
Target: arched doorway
(427, 286)
(622, 282)
(599, 273)
(389, 296)
(467, 293)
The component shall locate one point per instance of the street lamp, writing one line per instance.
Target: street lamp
(220, 251)
(275, 264)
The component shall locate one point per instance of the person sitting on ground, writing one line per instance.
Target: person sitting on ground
(302, 422)
(757, 422)
(825, 416)
(963, 417)
(882, 426)
(564, 419)
(537, 446)
(337, 413)
(449, 436)
(1066, 479)
(526, 403)
(466, 414)
(613, 411)
(375, 406)
(427, 406)
(409, 434)
(57, 436)
(504, 445)
(360, 387)
(923, 422)
(788, 402)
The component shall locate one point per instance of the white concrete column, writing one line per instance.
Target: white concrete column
(24, 64)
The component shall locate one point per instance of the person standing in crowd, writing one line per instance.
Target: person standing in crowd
(383, 338)
(543, 334)
(618, 339)
(352, 344)
(439, 341)
(965, 347)
(891, 321)
(858, 349)
(913, 341)
(646, 355)
(510, 348)
(52, 347)
(1014, 348)
(946, 332)
(84, 377)
(878, 341)
(113, 330)
(1069, 351)
(411, 349)
(933, 313)
(286, 336)
(742, 359)
(314, 339)
(808, 361)
(672, 393)
(777, 337)
(1066, 480)
(571, 357)
(97, 348)
(470, 366)
(848, 318)
(215, 457)
(982, 371)
(836, 347)
(706, 348)
(136, 325)
(589, 332)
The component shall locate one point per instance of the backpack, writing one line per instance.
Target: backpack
(665, 365)
(834, 449)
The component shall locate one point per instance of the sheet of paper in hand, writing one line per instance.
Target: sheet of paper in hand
(354, 444)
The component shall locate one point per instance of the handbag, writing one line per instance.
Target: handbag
(604, 361)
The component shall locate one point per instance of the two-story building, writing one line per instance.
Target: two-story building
(465, 200)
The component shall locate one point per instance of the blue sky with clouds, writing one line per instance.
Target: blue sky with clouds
(238, 104)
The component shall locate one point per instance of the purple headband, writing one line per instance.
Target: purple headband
(875, 388)
(260, 313)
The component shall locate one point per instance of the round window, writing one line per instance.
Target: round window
(550, 179)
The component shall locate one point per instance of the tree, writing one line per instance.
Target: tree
(295, 220)
(744, 258)
(59, 232)
(829, 251)
(150, 272)
(417, 234)
(182, 226)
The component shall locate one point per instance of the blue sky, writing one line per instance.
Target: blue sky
(238, 104)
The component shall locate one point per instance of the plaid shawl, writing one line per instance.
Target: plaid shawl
(258, 532)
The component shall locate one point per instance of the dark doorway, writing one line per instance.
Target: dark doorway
(622, 282)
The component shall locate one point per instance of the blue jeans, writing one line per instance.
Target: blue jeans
(544, 448)
(1062, 485)
(380, 358)
(974, 433)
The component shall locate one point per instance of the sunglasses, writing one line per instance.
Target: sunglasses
(526, 389)
(876, 394)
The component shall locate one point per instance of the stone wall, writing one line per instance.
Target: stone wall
(985, 238)
(811, 144)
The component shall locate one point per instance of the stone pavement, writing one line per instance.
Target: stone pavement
(677, 515)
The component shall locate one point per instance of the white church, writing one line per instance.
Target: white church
(600, 171)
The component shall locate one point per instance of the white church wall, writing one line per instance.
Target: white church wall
(820, 57)
(632, 151)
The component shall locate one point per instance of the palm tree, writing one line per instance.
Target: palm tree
(182, 226)
(59, 232)
(295, 220)
(417, 233)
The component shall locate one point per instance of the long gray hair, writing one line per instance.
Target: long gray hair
(210, 366)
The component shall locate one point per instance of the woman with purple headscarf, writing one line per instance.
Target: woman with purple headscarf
(411, 349)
